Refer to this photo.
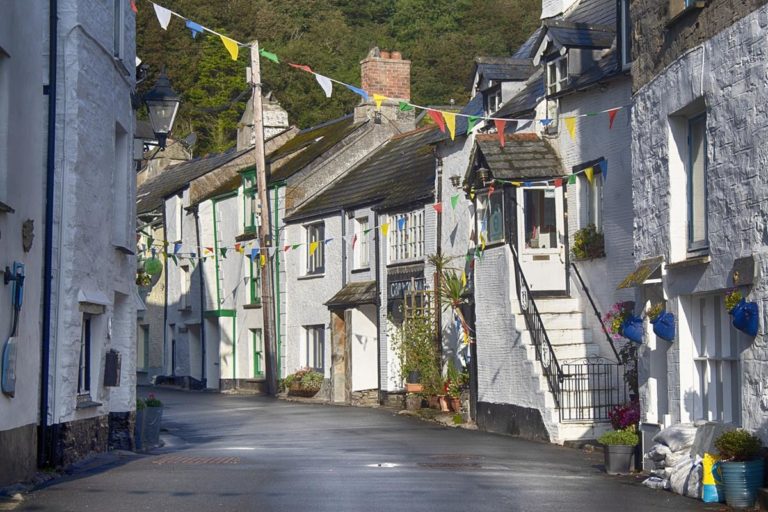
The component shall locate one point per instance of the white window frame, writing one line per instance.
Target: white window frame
(696, 188)
(406, 244)
(594, 199)
(557, 74)
(121, 190)
(487, 217)
(142, 351)
(361, 251)
(314, 347)
(315, 262)
(84, 367)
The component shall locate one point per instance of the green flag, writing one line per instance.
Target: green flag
(405, 107)
(472, 121)
(295, 246)
(223, 252)
(175, 259)
(269, 55)
(572, 179)
(454, 201)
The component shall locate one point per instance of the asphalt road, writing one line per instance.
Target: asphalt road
(237, 453)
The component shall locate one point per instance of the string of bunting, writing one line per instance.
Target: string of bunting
(445, 120)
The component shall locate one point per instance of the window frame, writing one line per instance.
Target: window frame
(86, 350)
(254, 283)
(186, 287)
(594, 200)
(497, 196)
(315, 263)
(554, 71)
(314, 339)
(257, 341)
(624, 33)
(250, 216)
(5, 124)
(406, 244)
(696, 245)
(118, 29)
(143, 363)
(361, 251)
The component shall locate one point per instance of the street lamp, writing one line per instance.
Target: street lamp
(162, 103)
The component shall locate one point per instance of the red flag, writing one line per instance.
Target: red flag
(500, 124)
(301, 67)
(438, 207)
(354, 240)
(437, 117)
(491, 190)
(133, 7)
(559, 182)
(611, 116)
(286, 247)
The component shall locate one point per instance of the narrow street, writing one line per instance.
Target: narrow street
(254, 453)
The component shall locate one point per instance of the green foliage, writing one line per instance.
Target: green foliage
(305, 379)
(732, 299)
(738, 446)
(453, 380)
(440, 37)
(655, 310)
(414, 344)
(140, 405)
(588, 243)
(153, 401)
(458, 419)
(143, 279)
(627, 436)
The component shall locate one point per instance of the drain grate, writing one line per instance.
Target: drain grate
(181, 459)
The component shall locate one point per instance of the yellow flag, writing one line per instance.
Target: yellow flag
(570, 124)
(450, 123)
(263, 260)
(463, 278)
(589, 172)
(378, 98)
(482, 242)
(312, 248)
(385, 229)
(231, 46)
(516, 183)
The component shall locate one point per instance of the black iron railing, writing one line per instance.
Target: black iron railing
(590, 390)
(544, 352)
(597, 313)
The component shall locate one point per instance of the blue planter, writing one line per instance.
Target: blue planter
(745, 317)
(632, 329)
(741, 480)
(664, 326)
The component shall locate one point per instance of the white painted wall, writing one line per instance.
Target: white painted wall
(364, 348)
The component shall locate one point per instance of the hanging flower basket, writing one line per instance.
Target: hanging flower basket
(664, 326)
(632, 328)
(745, 317)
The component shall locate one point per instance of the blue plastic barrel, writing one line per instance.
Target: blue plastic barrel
(741, 480)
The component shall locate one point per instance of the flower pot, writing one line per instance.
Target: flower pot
(741, 480)
(413, 388)
(632, 329)
(455, 403)
(745, 317)
(414, 377)
(138, 430)
(297, 390)
(664, 326)
(153, 417)
(618, 458)
(412, 402)
(443, 403)
(433, 402)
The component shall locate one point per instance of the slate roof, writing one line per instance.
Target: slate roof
(526, 99)
(524, 156)
(354, 294)
(151, 193)
(528, 48)
(580, 35)
(595, 12)
(605, 68)
(401, 172)
(475, 107)
(502, 68)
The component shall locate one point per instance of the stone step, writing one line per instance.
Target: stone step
(564, 305)
(557, 320)
(563, 336)
(566, 353)
(582, 430)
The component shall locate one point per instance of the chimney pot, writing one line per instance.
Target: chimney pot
(385, 54)
(395, 55)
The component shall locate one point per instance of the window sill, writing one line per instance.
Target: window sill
(402, 263)
(360, 270)
(310, 276)
(244, 237)
(119, 247)
(252, 306)
(691, 261)
(4, 208)
(84, 401)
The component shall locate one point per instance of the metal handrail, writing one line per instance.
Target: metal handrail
(597, 313)
(544, 352)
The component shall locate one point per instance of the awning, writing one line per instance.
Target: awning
(354, 294)
(644, 270)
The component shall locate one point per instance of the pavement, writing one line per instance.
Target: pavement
(250, 453)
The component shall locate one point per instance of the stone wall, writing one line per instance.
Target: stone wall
(76, 439)
(365, 398)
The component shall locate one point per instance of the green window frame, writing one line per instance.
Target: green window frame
(254, 283)
(249, 202)
(257, 340)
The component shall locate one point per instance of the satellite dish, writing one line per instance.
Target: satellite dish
(189, 140)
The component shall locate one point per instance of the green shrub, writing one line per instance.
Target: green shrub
(627, 436)
(140, 405)
(305, 379)
(732, 299)
(416, 348)
(738, 446)
(588, 243)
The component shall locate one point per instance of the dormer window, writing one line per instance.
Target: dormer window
(493, 98)
(557, 75)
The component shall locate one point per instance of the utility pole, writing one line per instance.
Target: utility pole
(265, 238)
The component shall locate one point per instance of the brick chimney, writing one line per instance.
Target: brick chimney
(386, 73)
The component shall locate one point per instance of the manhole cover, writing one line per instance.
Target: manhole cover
(181, 459)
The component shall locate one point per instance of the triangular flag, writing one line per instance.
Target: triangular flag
(463, 278)
(269, 55)
(401, 223)
(527, 183)
(472, 194)
(239, 248)
(133, 7)
(438, 207)
(194, 27)
(611, 116)
(254, 253)
(545, 122)
(175, 259)
(231, 46)
(313, 247)
(603, 168)
(559, 182)
(223, 251)
(209, 250)
(163, 16)
(354, 240)
(385, 229)
(378, 99)
(405, 106)
(589, 171)
(176, 247)
(327, 241)
(450, 123)
(482, 242)
(570, 125)
(367, 231)
(295, 246)
(572, 179)
(515, 183)
(454, 201)
(301, 67)
(192, 262)
(471, 122)
(325, 83)
(357, 91)
(437, 118)
(263, 260)
(500, 124)
(286, 248)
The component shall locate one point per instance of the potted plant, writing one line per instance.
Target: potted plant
(621, 321)
(413, 382)
(662, 321)
(741, 466)
(619, 443)
(153, 416)
(745, 314)
(305, 382)
(453, 387)
(588, 243)
(414, 344)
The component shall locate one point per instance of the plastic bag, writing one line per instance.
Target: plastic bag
(677, 437)
(659, 452)
(711, 488)
(655, 482)
(686, 478)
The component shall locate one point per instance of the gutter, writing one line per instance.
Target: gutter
(43, 445)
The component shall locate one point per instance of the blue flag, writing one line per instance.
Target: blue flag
(357, 91)
(194, 27)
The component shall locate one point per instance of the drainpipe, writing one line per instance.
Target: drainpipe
(43, 445)
(344, 248)
(276, 238)
(202, 306)
(378, 304)
(165, 293)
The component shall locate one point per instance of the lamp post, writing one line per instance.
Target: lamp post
(163, 104)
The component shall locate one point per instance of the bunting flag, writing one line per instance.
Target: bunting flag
(572, 179)
(367, 231)
(163, 16)
(209, 250)
(527, 183)
(313, 247)
(269, 55)
(354, 240)
(231, 46)
(286, 248)
(437, 117)
(301, 67)
(176, 247)
(559, 182)
(545, 121)
(463, 278)
(295, 246)
(500, 126)
(223, 251)
(385, 229)
(454, 201)
(589, 171)
(192, 262)
(438, 207)
(378, 99)
(133, 7)
(263, 260)
(325, 83)
(611, 116)
(450, 123)
(570, 125)
(401, 223)
(254, 254)
(194, 28)
(472, 122)
(327, 241)
(175, 259)
(239, 248)
(358, 91)
(404, 106)
(603, 168)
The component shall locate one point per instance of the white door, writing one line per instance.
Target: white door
(541, 238)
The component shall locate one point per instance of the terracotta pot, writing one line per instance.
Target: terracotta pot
(443, 403)
(455, 404)
(433, 402)
(413, 387)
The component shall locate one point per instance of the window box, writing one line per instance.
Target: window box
(588, 244)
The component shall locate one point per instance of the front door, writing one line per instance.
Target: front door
(541, 239)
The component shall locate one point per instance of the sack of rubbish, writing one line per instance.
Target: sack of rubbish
(659, 452)
(655, 482)
(673, 459)
(677, 437)
(686, 478)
